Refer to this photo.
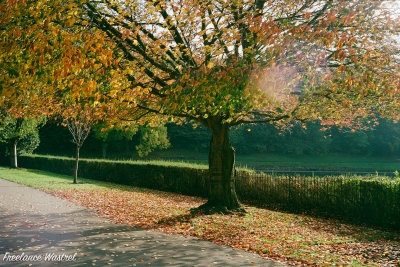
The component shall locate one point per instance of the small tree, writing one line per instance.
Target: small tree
(117, 133)
(152, 138)
(19, 131)
(79, 128)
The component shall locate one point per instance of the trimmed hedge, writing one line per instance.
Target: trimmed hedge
(180, 180)
(372, 201)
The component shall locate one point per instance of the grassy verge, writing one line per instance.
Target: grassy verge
(339, 161)
(183, 164)
(263, 162)
(202, 165)
(271, 160)
(295, 239)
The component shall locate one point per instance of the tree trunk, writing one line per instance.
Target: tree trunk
(14, 154)
(222, 195)
(76, 165)
(104, 150)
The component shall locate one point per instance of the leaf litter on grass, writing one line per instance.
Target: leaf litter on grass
(295, 239)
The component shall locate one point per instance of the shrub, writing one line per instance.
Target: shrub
(183, 180)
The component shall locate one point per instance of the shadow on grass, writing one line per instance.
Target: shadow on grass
(340, 225)
(175, 219)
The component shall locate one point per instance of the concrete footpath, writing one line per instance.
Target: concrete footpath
(49, 231)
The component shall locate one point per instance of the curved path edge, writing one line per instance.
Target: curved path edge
(38, 229)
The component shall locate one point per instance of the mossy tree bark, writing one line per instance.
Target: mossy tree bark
(221, 187)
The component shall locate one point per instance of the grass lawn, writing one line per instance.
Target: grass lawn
(265, 161)
(295, 239)
(356, 162)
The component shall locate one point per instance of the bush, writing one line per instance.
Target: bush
(188, 181)
(373, 201)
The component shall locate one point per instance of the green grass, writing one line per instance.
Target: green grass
(262, 161)
(182, 164)
(347, 161)
(160, 162)
(52, 181)
(272, 160)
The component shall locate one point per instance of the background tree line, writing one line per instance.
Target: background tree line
(117, 142)
(133, 142)
(383, 140)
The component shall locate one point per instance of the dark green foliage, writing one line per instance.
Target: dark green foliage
(55, 140)
(26, 145)
(102, 132)
(29, 143)
(24, 131)
(110, 137)
(362, 200)
(152, 138)
(384, 140)
(188, 181)
(372, 201)
(20, 135)
(115, 143)
(266, 138)
(186, 137)
(357, 143)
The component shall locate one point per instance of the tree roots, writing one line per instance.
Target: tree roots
(212, 208)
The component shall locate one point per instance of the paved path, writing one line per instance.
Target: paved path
(34, 223)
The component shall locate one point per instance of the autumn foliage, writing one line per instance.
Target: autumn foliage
(217, 63)
(51, 59)
(223, 63)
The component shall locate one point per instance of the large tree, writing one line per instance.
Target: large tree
(216, 62)
(222, 63)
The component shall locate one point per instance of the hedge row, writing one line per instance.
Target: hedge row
(370, 201)
(185, 181)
